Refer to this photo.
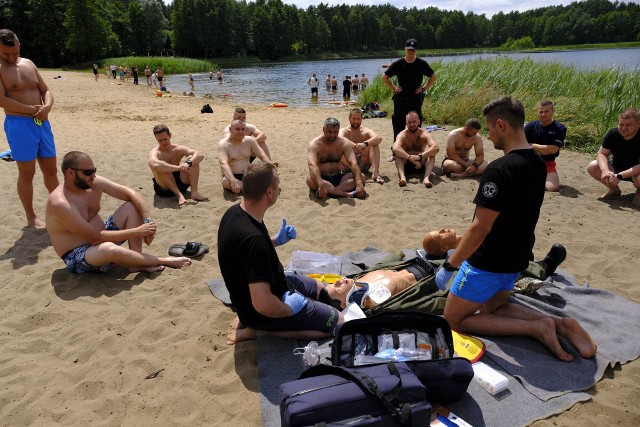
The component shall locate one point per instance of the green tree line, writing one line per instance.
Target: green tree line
(63, 32)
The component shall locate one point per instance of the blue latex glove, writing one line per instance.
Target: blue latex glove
(294, 300)
(442, 278)
(286, 233)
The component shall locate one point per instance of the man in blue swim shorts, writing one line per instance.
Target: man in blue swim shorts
(83, 240)
(26, 101)
(499, 241)
(267, 301)
(326, 174)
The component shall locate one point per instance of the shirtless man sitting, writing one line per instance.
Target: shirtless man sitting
(366, 145)
(172, 176)
(250, 130)
(83, 240)
(234, 154)
(326, 176)
(414, 151)
(460, 141)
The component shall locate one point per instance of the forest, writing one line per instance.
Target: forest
(56, 33)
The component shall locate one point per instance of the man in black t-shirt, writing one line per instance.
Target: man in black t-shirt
(497, 245)
(267, 301)
(623, 143)
(410, 90)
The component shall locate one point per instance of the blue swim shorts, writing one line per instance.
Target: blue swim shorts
(478, 286)
(75, 258)
(315, 316)
(28, 139)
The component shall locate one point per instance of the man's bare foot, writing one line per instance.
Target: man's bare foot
(547, 336)
(391, 158)
(570, 329)
(175, 262)
(457, 175)
(36, 223)
(198, 197)
(636, 198)
(182, 201)
(611, 194)
(153, 269)
(402, 183)
(427, 183)
(237, 333)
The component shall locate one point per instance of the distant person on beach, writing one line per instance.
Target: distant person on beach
(113, 71)
(134, 70)
(327, 82)
(366, 145)
(160, 76)
(234, 154)
(364, 81)
(27, 102)
(546, 136)
(409, 93)
(147, 74)
(618, 158)
(355, 83)
(172, 176)
(268, 301)
(313, 83)
(414, 151)
(154, 79)
(334, 84)
(219, 75)
(250, 130)
(460, 141)
(191, 82)
(96, 72)
(83, 240)
(211, 74)
(497, 245)
(346, 87)
(326, 174)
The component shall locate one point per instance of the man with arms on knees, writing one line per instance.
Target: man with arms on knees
(409, 93)
(623, 143)
(498, 243)
(414, 151)
(172, 176)
(460, 141)
(367, 144)
(234, 154)
(250, 130)
(26, 101)
(83, 240)
(326, 175)
(267, 301)
(546, 136)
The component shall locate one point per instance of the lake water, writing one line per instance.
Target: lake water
(287, 82)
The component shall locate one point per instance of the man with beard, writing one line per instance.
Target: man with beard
(414, 151)
(460, 141)
(366, 145)
(83, 240)
(326, 174)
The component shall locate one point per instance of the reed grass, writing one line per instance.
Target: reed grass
(169, 64)
(587, 102)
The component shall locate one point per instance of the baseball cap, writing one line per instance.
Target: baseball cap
(411, 44)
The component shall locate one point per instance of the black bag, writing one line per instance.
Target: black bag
(445, 377)
(381, 395)
(206, 108)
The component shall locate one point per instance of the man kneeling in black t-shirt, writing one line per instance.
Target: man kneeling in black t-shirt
(267, 301)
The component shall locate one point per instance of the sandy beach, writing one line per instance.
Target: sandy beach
(75, 349)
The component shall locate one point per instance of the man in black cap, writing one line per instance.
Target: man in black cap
(409, 92)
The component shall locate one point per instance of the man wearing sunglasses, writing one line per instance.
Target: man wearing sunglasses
(83, 240)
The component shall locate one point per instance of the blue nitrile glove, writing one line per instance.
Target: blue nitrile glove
(442, 278)
(294, 300)
(286, 233)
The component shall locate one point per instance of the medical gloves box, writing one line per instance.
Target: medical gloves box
(489, 379)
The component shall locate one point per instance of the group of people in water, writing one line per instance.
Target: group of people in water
(349, 84)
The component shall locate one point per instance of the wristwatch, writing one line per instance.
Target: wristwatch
(448, 266)
(619, 176)
(366, 143)
(147, 220)
(420, 155)
(189, 162)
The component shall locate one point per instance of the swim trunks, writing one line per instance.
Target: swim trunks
(252, 158)
(334, 87)
(478, 286)
(314, 90)
(159, 78)
(28, 139)
(333, 179)
(410, 168)
(238, 176)
(75, 258)
(182, 187)
(466, 159)
(551, 166)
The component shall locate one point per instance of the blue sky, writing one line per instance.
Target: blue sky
(488, 7)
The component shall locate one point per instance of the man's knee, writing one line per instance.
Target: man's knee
(593, 169)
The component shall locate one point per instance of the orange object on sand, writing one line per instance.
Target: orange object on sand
(278, 105)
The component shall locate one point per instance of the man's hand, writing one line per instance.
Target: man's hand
(442, 278)
(42, 113)
(471, 170)
(605, 178)
(295, 301)
(147, 232)
(323, 191)
(360, 191)
(286, 233)
(185, 167)
(236, 186)
(398, 89)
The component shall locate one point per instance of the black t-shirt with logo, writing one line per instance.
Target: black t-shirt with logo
(410, 76)
(246, 255)
(552, 134)
(512, 185)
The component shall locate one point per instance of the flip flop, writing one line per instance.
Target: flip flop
(190, 250)
(378, 180)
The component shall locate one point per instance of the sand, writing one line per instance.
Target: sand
(75, 350)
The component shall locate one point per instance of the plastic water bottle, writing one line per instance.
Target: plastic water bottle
(313, 354)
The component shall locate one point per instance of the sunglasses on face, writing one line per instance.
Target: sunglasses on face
(86, 172)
